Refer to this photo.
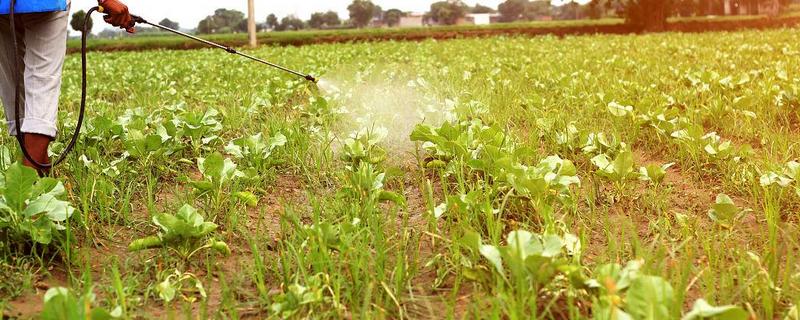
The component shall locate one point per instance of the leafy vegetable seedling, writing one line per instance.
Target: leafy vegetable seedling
(724, 211)
(32, 208)
(185, 234)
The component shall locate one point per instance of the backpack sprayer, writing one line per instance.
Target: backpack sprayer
(81, 114)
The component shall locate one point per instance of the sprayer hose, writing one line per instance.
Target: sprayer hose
(18, 81)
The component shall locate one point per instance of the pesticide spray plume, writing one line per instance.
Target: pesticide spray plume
(385, 104)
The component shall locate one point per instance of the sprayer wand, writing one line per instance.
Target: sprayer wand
(227, 49)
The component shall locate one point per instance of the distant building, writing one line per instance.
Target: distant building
(482, 19)
(411, 20)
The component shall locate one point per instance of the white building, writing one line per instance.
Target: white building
(482, 19)
(411, 20)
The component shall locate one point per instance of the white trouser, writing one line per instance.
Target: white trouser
(42, 45)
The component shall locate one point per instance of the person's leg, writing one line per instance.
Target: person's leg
(7, 65)
(46, 47)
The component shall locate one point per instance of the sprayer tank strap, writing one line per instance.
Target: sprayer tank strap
(34, 6)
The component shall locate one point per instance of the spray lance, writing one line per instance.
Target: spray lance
(82, 112)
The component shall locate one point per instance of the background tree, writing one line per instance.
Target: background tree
(222, 21)
(595, 9)
(647, 15)
(77, 21)
(377, 14)
(361, 12)
(512, 10)
(317, 20)
(392, 17)
(290, 23)
(272, 21)
(448, 12)
(535, 9)
(332, 19)
(320, 20)
(169, 24)
(479, 8)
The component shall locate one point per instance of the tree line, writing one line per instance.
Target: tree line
(645, 14)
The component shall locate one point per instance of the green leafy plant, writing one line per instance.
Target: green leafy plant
(654, 173)
(703, 310)
(255, 149)
(619, 169)
(298, 298)
(527, 263)
(62, 303)
(185, 284)
(219, 173)
(201, 129)
(365, 185)
(626, 293)
(185, 234)
(32, 209)
(724, 211)
(599, 143)
(788, 177)
(362, 146)
(544, 184)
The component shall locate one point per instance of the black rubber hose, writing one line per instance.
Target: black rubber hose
(18, 91)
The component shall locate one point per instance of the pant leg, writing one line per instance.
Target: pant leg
(46, 47)
(7, 65)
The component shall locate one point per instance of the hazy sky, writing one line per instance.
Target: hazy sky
(189, 12)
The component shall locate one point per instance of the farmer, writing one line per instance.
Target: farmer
(41, 27)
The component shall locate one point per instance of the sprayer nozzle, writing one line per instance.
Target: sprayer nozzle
(311, 78)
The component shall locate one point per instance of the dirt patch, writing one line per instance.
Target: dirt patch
(31, 303)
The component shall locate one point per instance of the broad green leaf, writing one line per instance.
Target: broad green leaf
(55, 209)
(552, 246)
(18, 185)
(623, 164)
(278, 140)
(724, 210)
(650, 298)
(521, 243)
(619, 110)
(492, 254)
(166, 291)
(703, 310)
(602, 162)
(218, 169)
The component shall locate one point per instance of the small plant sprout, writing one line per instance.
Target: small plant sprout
(187, 285)
(724, 211)
(790, 176)
(654, 173)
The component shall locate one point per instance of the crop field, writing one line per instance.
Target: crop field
(594, 177)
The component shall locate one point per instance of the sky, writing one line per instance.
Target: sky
(189, 12)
